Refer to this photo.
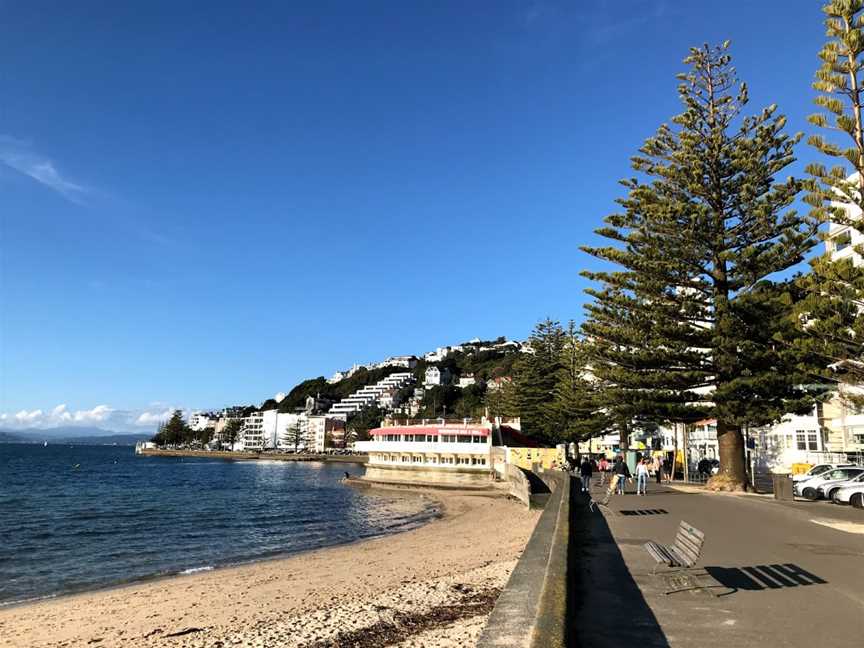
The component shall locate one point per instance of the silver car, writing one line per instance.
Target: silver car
(850, 493)
(809, 489)
(827, 489)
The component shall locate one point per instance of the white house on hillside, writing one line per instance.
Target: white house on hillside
(435, 376)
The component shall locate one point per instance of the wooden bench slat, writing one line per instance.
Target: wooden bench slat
(659, 552)
(689, 528)
(684, 553)
(687, 544)
(683, 559)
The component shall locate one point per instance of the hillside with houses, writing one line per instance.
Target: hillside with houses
(450, 382)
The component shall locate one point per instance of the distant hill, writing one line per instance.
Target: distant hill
(8, 437)
(72, 435)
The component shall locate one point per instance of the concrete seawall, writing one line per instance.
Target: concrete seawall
(534, 609)
(253, 456)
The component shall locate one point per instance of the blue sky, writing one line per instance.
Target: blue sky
(203, 204)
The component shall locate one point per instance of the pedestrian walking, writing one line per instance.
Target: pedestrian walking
(622, 471)
(658, 468)
(585, 471)
(642, 477)
(604, 468)
(667, 469)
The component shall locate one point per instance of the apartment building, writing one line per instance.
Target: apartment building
(251, 437)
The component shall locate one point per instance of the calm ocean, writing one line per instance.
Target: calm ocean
(83, 517)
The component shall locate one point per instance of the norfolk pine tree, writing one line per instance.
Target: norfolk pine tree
(577, 408)
(535, 376)
(676, 328)
(828, 306)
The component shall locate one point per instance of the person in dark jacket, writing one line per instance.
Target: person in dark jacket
(622, 471)
(585, 472)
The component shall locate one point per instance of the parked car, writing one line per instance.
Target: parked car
(826, 489)
(852, 493)
(817, 470)
(808, 489)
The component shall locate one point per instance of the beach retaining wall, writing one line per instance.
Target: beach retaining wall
(535, 607)
(252, 456)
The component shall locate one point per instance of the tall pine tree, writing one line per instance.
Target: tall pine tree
(828, 308)
(534, 379)
(577, 408)
(676, 328)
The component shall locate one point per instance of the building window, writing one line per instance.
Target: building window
(478, 439)
(812, 440)
(406, 459)
(417, 459)
(463, 439)
(801, 439)
(463, 461)
(842, 241)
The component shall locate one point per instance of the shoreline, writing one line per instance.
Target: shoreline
(302, 598)
(253, 456)
(433, 513)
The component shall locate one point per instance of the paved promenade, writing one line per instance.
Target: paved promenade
(816, 595)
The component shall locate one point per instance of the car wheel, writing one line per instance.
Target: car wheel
(857, 500)
(832, 495)
(809, 493)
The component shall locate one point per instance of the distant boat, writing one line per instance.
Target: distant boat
(45, 445)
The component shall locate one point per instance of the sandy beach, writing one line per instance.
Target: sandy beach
(432, 586)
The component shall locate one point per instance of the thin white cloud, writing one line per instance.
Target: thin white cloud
(19, 155)
(153, 418)
(101, 416)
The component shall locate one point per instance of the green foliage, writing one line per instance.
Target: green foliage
(827, 305)
(175, 432)
(578, 408)
(269, 404)
(535, 376)
(683, 328)
(838, 81)
(366, 419)
(441, 401)
(231, 431)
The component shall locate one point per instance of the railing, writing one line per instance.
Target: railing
(405, 422)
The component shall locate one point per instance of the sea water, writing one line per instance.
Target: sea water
(77, 518)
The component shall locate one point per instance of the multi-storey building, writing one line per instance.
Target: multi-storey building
(435, 376)
(372, 395)
(202, 420)
(251, 436)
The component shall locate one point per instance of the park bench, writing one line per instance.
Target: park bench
(684, 553)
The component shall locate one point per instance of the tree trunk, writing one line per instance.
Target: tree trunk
(733, 472)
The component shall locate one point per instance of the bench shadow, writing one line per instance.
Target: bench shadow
(763, 577)
(609, 609)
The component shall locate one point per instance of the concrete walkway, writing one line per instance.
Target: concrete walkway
(783, 573)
